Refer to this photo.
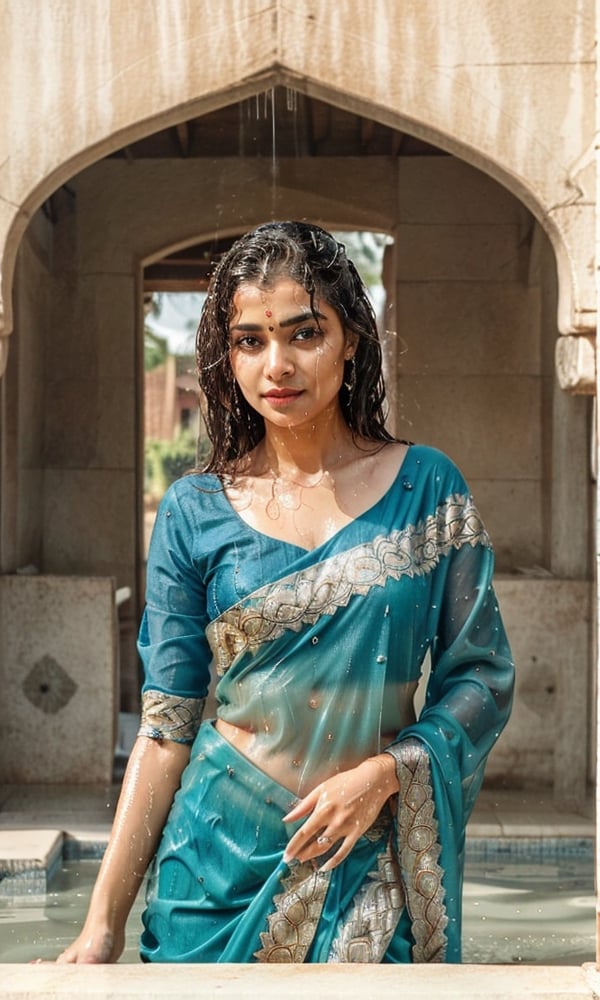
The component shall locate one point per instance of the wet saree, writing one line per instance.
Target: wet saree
(317, 654)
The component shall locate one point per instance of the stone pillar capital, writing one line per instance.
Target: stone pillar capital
(575, 358)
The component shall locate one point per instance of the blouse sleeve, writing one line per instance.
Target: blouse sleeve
(172, 642)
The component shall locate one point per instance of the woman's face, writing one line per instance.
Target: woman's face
(288, 364)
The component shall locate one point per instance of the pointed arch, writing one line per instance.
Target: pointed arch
(465, 84)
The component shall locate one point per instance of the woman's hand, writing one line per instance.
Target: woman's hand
(94, 946)
(341, 809)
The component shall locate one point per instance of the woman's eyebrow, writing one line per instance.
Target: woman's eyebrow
(246, 327)
(301, 317)
(292, 321)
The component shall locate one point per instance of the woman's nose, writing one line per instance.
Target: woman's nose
(278, 361)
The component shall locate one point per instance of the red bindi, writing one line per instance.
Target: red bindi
(268, 313)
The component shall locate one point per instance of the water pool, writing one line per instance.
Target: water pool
(532, 903)
(532, 907)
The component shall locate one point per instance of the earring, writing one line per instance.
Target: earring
(351, 383)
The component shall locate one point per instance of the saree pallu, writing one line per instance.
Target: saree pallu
(219, 891)
(317, 654)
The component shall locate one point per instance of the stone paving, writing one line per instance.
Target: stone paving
(298, 982)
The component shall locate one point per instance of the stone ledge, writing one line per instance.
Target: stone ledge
(336, 982)
(28, 859)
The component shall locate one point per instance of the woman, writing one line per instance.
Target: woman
(311, 567)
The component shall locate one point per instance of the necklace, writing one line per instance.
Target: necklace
(287, 493)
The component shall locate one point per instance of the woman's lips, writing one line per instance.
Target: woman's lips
(280, 397)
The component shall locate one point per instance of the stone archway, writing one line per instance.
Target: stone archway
(467, 84)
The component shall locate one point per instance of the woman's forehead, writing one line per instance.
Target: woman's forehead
(281, 290)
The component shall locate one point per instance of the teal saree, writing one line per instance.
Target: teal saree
(317, 655)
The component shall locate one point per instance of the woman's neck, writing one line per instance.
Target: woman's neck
(309, 451)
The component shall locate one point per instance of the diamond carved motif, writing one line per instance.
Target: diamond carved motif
(48, 686)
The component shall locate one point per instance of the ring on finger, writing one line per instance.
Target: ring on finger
(322, 839)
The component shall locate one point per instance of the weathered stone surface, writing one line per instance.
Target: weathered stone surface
(576, 364)
(48, 686)
(58, 675)
(548, 623)
(336, 982)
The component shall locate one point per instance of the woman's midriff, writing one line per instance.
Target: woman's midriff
(284, 772)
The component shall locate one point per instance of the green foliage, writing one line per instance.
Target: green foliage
(155, 350)
(366, 250)
(166, 461)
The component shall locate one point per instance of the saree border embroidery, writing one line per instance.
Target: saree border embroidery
(170, 717)
(364, 935)
(293, 923)
(302, 598)
(419, 849)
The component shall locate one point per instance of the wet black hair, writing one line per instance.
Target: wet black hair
(317, 261)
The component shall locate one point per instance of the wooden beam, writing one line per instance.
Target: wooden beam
(397, 141)
(183, 132)
(367, 127)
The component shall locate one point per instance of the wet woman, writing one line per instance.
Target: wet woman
(310, 568)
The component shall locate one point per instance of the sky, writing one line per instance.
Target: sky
(176, 319)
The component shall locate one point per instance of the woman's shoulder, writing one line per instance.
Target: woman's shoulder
(194, 492)
(438, 464)
(194, 481)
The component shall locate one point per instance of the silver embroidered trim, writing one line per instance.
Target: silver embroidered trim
(302, 598)
(419, 849)
(294, 920)
(366, 931)
(170, 717)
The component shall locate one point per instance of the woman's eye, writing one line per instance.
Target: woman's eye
(247, 341)
(306, 333)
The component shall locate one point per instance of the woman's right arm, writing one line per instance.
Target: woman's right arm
(175, 655)
(152, 777)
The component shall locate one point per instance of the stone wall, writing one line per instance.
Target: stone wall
(549, 623)
(59, 677)
(24, 402)
(470, 369)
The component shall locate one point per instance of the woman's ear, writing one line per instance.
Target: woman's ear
(351, 345)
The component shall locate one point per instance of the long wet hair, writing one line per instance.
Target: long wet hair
(315, 260)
